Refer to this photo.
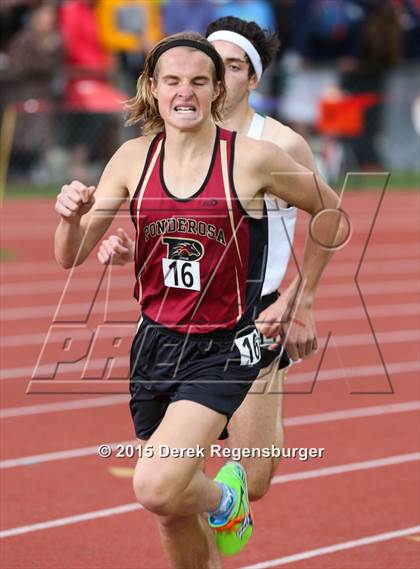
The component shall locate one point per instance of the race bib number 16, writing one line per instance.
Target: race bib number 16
(249, 348)
(181, 274)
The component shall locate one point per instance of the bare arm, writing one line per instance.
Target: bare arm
(293, 310)
(86, 214)
(290, 141)
(278, 173)
(301, 152)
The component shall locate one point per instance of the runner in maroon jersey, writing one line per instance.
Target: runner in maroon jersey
(205, 238)
(194, 366)
(257, 423)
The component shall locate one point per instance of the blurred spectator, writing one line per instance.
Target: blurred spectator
(90, 135)
(85, 57)
(13, 15)
(374, 59)
(283, 13)
(409, 17)
(374, 54)
(259, 11)
(348, 44)
(325, 30)
(187, 14)
(36, 57)
(32, 79)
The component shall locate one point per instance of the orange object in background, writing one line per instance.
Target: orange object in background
(344, 116)
(128, 25)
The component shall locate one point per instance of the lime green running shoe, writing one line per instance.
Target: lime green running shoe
(232, 537)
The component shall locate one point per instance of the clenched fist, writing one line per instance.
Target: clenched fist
(74, 200)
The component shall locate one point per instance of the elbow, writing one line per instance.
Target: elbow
(66, 265)
(66, 262)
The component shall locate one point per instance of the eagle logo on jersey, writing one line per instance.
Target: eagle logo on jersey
(183, 249)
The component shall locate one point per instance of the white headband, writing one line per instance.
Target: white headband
(244, 43)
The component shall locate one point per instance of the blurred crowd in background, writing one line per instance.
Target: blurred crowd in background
(346, 77)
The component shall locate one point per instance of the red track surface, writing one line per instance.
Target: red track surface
(299, 515)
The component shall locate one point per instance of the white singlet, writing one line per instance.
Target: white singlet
(281, 226)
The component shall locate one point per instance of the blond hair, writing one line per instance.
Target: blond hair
(143, 107)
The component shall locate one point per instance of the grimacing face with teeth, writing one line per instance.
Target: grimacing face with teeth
(185, 87)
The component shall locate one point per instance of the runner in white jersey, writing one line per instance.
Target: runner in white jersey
(247, 51)
(281, 225)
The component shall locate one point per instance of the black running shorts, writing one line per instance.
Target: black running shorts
(215, 370)
(279, 354)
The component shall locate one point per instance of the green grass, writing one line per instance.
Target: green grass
(399, 181)
(25, 191)
(7, 255)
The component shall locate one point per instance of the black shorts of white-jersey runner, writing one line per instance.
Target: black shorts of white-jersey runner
(279, 354)
(215, 369)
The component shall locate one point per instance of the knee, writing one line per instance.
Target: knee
(155, 493)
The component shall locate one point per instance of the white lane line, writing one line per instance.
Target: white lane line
(316, 473)
(14, 234)
(124, 509)
(289, 422)
(368, 289)
(391, 253)
(352, 413)
(393, 337)
(350, 467)
(48, 287)
(106, 401)
(324, 375)
(47, 312)
(57, 455)
(121, 283)
(21, 340)
(375, 310)
(354, 372)
(42, 408)
(95, 364)
(334, 548)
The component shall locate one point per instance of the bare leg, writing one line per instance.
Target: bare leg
(256, 424)
(201, 551)
(174, 484)
(177, 490)
(201, 554)
(215, 561)
(174, 530)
